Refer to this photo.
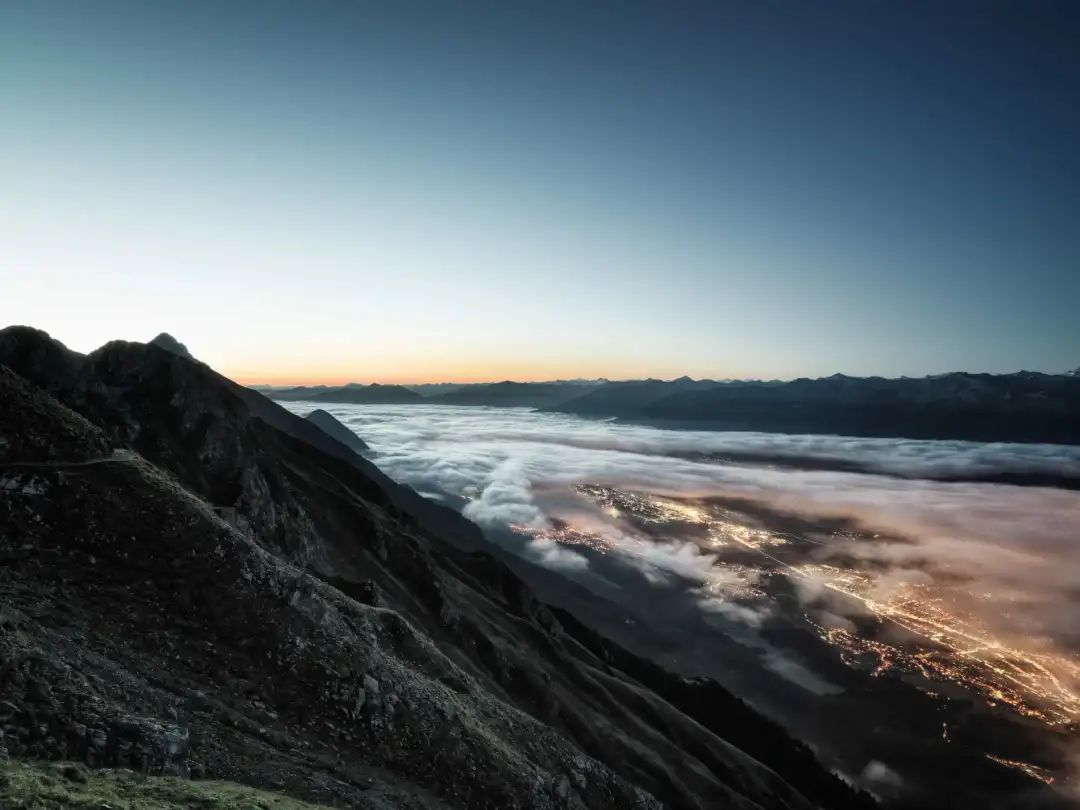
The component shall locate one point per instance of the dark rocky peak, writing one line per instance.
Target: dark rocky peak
(202, 426)
(54, 366)
(336, 430)
(209, 432)
(170, 344)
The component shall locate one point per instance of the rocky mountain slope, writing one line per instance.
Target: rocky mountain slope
(195, 581)
(337, 431)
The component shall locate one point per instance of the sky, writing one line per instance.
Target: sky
(460, 191)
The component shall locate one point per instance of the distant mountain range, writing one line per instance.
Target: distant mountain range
(1021, 407)
(356, 393)
(505, 394)
(516, 394)
(629, 397)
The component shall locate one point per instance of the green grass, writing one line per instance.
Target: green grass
(61, 786)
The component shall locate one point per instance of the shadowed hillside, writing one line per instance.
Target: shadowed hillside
(198, 582)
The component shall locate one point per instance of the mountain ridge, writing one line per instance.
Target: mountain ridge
(1023, 406)
(316, 527)
(1019, 407)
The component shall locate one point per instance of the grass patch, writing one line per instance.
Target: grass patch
(64, 786)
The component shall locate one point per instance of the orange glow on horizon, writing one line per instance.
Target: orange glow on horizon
(310, 363)
(283, 379)
(496, 372)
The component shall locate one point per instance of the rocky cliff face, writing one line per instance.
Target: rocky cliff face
(195, 581)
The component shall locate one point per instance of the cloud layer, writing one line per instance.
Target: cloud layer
(1021, 545)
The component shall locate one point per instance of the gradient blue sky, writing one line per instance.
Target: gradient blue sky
(404, 191)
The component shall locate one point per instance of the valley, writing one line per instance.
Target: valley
(892, 619)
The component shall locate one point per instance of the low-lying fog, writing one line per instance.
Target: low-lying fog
(900, 554)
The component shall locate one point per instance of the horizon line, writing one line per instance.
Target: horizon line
(249, 383)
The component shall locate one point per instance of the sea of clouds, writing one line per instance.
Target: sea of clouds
(1017, 546)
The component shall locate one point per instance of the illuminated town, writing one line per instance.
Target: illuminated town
(909, 630)
(1034, 771)
(567, 536)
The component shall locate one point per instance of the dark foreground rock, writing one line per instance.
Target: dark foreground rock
(195, 582)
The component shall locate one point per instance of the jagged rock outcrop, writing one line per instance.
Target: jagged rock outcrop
(337, 431)
(195, 581)
(170, 344)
